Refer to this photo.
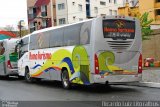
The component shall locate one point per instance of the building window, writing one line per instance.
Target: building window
(96, 10)
(32, 26)
(44, 10)
(115, 1)
(44, 23)
(74, 18)
(61, 6)
(110, 1)
(157, 0)
(62, 21)
(103, 15)
(32, 12)
(110, 12)
(132, 3)
(73, 3)
(115, 12)
(158, 12)
(80, 7)
(54, 6)
(102, 3)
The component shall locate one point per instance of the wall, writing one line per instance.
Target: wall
(61, 13)
(71, 12)
(104, 9)
(129, 11)
(151, 48)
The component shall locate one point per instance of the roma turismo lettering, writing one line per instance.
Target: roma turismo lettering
(119, 30)
(40, 56)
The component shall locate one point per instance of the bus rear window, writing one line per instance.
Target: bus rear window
(119, 29)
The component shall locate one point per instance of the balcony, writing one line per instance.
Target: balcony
(88, 10)
(157, 5)
(32, 29)
(31, 16)
(87, 1)
(43, 14)
(157, 19)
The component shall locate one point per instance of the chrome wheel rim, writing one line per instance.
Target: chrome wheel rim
(65, 79)
(28, 76)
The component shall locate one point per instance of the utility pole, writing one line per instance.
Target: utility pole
(20, 28)
(20, 25)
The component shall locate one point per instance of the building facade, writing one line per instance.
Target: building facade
(103, 7)
(70, 11)
(130, 8)
(40, 14)
(153, 7)
(47, 13)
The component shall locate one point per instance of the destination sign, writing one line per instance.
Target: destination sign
(119, 29)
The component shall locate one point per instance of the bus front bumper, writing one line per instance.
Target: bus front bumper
(117, 78)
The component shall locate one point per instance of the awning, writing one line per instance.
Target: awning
(6, 35)
(41, 2)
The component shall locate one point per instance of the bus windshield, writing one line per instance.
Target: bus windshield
(119, 29)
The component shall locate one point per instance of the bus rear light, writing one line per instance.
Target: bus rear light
(96, 64)
(9, 64)
(140, 64)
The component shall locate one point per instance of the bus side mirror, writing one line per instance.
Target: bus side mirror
(20, 42)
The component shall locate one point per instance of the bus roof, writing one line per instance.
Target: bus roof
(57, 27)
(106, 17)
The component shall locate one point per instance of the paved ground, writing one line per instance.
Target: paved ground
(19, 90)
(151, 75)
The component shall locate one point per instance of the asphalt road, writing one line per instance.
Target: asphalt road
(18, 90)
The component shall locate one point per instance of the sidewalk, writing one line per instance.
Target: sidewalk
(150, 78)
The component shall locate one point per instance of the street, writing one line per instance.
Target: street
(18, 90)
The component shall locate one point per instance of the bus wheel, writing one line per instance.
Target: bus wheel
(20, 77)
(28, 78)
(65, 79)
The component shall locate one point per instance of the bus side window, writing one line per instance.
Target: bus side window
(56, 38)
(33, 43)
(23, 46)
(85, 33)
(42, 40)
(72, 35)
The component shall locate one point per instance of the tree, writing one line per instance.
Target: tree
(9, 28)
(22, 29)
(145, 24)
(24, 32)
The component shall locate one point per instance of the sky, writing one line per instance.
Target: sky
(11, 11)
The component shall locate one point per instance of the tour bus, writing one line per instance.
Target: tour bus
(100, 50)
(8, 57)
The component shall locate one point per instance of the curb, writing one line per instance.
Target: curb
(146, 84)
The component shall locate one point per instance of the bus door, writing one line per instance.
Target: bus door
(2, 59)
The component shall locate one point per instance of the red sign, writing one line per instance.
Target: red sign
(40, 56)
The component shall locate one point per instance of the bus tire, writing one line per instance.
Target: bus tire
(65, 79)
(28, 78)
(20, 77)
(37, 80)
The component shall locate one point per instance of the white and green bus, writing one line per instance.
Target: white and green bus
(8, 57)
(100, 50)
